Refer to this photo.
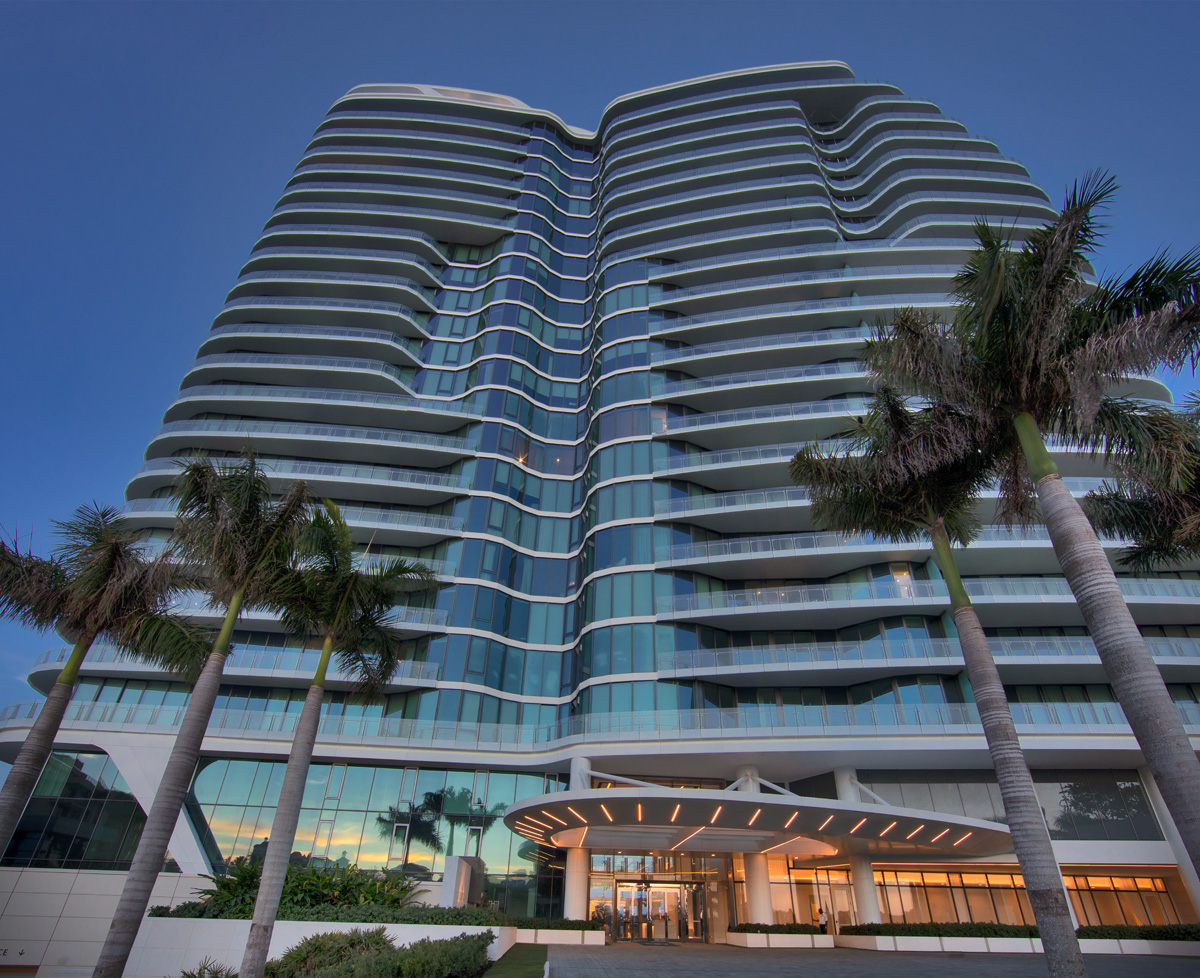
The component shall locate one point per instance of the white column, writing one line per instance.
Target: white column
(758, 889)
(581, 774)
(575, 884)
(862, 873)
(862, 881)
(1187, 871)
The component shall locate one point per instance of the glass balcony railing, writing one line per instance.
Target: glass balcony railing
(323, 471)
(734, 456)
(384, 336)
(373, 306)
(890, 591)
(869, 719)
(314, 362)
(777, 341)
(800, 308)
(282, 251)
(864, 273)
(255, 392)
(772, 412)
(355, 230)
(780, 375)
(338, 278)
(429, 213)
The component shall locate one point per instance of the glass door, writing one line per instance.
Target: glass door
(658, 912)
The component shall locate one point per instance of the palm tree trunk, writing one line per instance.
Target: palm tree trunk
(168, 801)
(283, 827)
(1026, 823)
(1130, 668)
(31, 758)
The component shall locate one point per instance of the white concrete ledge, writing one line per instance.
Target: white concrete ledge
(1003, 945)
(778, 940)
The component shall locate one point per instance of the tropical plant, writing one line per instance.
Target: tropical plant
(1162, 522)
(852, 492)
(241, 540)
(1032, 353)
(338, 595)
(101, 581)
(323, 950)
(209, 968)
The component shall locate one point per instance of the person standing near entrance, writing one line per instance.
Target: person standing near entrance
(823, 920)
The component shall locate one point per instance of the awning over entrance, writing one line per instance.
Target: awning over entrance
(690, 820)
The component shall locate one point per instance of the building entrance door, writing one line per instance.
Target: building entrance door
(659, 912)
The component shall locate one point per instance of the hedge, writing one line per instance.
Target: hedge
(371, 954)
(939, 930)
(1152, 932)
(775, 929)
(363, 913)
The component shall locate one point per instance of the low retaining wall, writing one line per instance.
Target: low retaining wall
(1009, 945)
(166, 945)
(778, 940)
(547, 936)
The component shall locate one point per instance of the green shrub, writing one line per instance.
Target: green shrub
(1152, 932)
(530, 923)
(326, 950)
(775, 929)
(460, 957)
(565, 924)
(373, 964)
(209, 968)
(417, 914)
(940, 930)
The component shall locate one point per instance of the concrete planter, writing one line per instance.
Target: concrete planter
(546, 936)
(866, 942)
(746, 940)
(165, 945)
(917, 943)
(1012, 945)
(1095, 946)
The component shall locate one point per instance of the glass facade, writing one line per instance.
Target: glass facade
(398, 818)
(82, 815)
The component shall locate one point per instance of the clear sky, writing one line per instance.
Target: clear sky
(144, 145)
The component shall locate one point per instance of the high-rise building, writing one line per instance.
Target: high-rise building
(567, 370)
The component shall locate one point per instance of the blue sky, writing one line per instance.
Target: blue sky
(144, 145)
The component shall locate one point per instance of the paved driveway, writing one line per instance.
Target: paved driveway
(722, 961)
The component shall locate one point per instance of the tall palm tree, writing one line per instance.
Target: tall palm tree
(1032, 352)
(101, 581)
(1162, 522)
(242, 540)
(850, 492)
(333, 594)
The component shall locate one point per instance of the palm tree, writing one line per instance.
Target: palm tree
(1031, 353)
(242, 540)
(335, 596)
(850, 492)
(1163, 522)
(100, 581)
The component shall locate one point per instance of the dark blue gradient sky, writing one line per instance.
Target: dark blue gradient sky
(144, 145)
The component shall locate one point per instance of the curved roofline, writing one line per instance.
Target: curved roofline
(507, 103)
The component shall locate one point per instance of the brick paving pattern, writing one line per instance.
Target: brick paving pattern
(722, 961)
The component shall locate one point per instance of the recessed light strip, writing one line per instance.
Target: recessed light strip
(693, 835)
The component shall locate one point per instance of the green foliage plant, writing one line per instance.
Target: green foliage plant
(462, 957)
(325, 950)
(209, 968)
(1151, 932)
(939, 930)
(775, 929)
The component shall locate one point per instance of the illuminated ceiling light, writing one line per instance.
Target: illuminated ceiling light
(674, 813)
(915, 831)
(555, 817)
(822, 825)
(783, 843)
(712, 820)
(793, 818)
(545, 825)
(964, 838)
(858, 826)
(887, 830)
(584, 836)
(939, 835)
(577, 815)
(682, 841)
(639, 811)
(757, 812)
(606, 815)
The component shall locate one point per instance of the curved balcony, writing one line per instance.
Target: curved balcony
(376, 483)
(343, 373)
(760, 387)
(404, 142)
(707, 359)
(291, 338)
(323, 405)
(280, 667)
(287, 259)
(1035, 659)
(998, 601)
(353, 286)
(351, 236)
(313, 311)
(730, 293)
(333, 442)
(443, 225)
(813, 724)
(354, 193)
(799, 423)
(997, 549)
(775, 318)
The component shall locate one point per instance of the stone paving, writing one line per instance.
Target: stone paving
(721, 961)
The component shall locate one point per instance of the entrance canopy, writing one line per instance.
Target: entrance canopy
(654, 818)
